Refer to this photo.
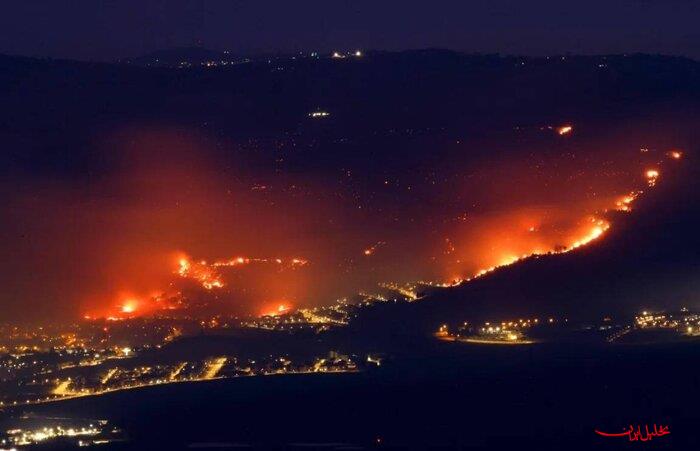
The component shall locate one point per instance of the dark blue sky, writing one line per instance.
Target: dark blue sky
(109, 29)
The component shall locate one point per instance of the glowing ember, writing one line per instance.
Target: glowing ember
(675, 154)
(565, 130)
(652, 175)
(623, 204)
(280, 309)
(238, 261)
(372, 249)
(208, 276)
(201, 272)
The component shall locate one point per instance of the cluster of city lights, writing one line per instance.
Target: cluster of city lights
(683, 321)
(504, 332)
(45, 434)
(319, 114)
(339, 55)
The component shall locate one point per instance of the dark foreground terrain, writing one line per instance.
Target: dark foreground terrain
(453, 396)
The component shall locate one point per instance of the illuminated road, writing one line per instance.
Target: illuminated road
(109, 375)
(66, 394)
(213, 368)
(177, 371)
(486, 341)
(62, 389)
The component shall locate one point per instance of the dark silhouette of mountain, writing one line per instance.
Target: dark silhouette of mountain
(378, 90)
(61, 103)
(461, 397)
(646, 261)
(182, 57)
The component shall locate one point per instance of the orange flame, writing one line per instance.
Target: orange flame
(565, 130)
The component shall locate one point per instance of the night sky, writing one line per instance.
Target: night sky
(110, 29)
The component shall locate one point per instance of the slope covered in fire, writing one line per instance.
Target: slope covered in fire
(646, 261)
(292, 183)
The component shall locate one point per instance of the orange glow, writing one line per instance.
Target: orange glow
(675, 154)
(248, 260)
(623, 204)
(565, 130)
(652, 175)
(242, 256)
(129, 306)
(592, 229)
(373, 248)
(512, 245)
(208, 277)
(201, 272)
(277, 310)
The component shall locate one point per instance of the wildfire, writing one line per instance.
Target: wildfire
(595, 231)
(238, 261)
(208, 276)
(565, 130)
(597, 228)
(280, 309)
(623, 204)
(200, 272)
(372, 249)
(652, 175)
(129, 306)
(675, 154)
(495, 240)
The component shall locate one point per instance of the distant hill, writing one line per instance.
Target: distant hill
(183, 57)
(380, 91)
